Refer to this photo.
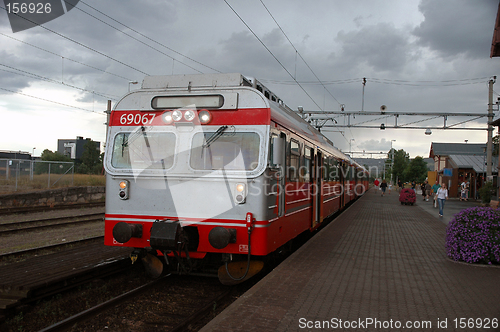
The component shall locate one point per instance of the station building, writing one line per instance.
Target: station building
(455, 163)
(73, 148)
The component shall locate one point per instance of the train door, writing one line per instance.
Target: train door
(279, 151)
(343, 185)
(317, 189)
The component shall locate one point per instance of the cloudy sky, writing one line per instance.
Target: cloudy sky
(416, 56)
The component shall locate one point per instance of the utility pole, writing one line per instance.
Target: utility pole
(392, 161)
(363, 96)
(108, 116)
(489, 145)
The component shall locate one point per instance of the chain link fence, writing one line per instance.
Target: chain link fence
(34, 174)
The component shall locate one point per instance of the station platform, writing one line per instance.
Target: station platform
(379, 266)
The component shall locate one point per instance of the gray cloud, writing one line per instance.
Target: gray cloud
(453, 27)
(382, 47)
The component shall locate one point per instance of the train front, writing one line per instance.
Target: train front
(184, 177)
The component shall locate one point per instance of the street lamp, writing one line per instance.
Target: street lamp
(392, 163)
(131, 82)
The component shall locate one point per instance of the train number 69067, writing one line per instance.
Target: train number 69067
(137, 119)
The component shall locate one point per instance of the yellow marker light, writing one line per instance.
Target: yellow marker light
(123, 191)
(240, 193)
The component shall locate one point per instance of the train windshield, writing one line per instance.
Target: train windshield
(230, 151)
(143, 150)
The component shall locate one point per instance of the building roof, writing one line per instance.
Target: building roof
(476, 162)
(447, 149)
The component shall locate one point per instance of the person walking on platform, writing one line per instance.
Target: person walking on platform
(435, 188)
(464, 191)
(376, 183)
(383, 186)
(422, 188)
(428, 189)
(442, 195)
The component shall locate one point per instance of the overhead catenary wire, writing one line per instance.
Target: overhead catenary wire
(148, 38)
(32, 75)
(298, 53)
(467, 81)
(272, 54)
(66, 58)
(140, 41)
(51, 101)
(305, 62)
(81, 44)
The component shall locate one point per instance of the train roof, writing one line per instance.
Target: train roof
(280, 112)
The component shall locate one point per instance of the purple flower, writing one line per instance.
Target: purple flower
(473, 236)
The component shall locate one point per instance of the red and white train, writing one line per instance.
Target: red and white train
(214, 170)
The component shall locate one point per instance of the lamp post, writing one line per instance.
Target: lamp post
(392, 162)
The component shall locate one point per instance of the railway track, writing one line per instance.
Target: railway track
(183, 306)
(40, 276)
(31, 209)
(50, 248)
(39, 224)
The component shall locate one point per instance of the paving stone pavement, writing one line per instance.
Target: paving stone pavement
(379, 266)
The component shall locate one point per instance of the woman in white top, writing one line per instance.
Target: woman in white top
(442, 195)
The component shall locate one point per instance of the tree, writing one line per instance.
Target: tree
(401, 162)
(416, 170)
(91, 162)
(48, 155)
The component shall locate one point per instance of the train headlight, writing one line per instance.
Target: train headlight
(205, 117)
(240, 194)
(123, 192)
(189, 115)
(176, 115)
(167, 117)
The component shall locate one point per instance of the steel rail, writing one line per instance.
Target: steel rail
(65, 324)
(28, 209)
(40, 227)
(52, 246)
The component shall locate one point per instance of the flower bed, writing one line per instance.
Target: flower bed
(473, 236)
(407, 196)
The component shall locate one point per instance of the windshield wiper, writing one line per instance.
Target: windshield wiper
(214, 136)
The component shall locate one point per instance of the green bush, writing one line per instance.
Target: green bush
(486, 191)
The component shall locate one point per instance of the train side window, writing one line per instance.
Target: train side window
(326, 168)
(349, 173)
(271, 149)
(306, 168)
(293, 174)
(334, 170)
